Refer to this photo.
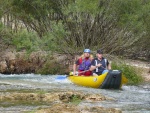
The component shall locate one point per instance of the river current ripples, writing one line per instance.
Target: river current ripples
(130, 99)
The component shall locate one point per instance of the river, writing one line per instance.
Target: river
(130, 99)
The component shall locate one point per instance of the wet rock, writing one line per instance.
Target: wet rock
(68, 97)
(67, 108)
(60, 102)
(95, 97)
(61, 96)
(3, 66)
(60, 108)
(97, 109)
(9, 55)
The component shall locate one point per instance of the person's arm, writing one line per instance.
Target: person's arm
(94, 66)
(74, 68)
(108, 65)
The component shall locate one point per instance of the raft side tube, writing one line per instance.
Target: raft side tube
(112, 80)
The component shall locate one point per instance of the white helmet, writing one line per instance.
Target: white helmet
(87, 50)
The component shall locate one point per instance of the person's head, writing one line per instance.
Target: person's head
(87, 52)
(99, 53)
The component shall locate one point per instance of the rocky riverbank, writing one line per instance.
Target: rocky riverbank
(12, 62)
(143, 66)
(57, 102)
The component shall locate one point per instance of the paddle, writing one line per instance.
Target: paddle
(70, 74)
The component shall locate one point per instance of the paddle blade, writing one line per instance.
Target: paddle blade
(61, 77)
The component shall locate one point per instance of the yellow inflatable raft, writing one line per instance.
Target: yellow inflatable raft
(113, 79)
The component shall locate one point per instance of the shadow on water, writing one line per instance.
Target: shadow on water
(128, 99)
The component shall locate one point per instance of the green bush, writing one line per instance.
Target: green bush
(52, 67)
(131, 73)
(48, 42)
(75, 99)
(5, 35)
(25, 40)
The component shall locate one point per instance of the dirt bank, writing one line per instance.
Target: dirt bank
(144, 67)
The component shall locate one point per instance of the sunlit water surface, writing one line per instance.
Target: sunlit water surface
(130, 99)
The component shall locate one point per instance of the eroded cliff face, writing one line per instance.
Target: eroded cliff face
(20, 62)
(12, 62)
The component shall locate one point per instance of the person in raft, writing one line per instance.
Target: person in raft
(100, 64)
(83, 64)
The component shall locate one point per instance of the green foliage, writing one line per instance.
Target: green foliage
(86, 6)
(58, 30)
(5, 34)
(48, 42)
(75, 99)
(60, 36)
(36, 8)
(41, 92)
(24, 40)
(132, 73)
(71, 25)
(52, 67)
(33, 111)
(130, 14)
(5, 6)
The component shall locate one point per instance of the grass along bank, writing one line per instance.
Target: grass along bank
(134, 74)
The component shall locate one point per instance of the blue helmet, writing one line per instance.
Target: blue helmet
(87, 50)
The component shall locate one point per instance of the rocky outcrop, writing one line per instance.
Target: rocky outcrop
(18, 62)
(51, 97)
(12, 62)
(67, 108)
(60, 102)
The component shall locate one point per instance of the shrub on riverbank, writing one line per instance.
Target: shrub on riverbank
(52, 67)
(132, 73)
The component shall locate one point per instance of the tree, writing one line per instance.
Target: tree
(72, 25)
